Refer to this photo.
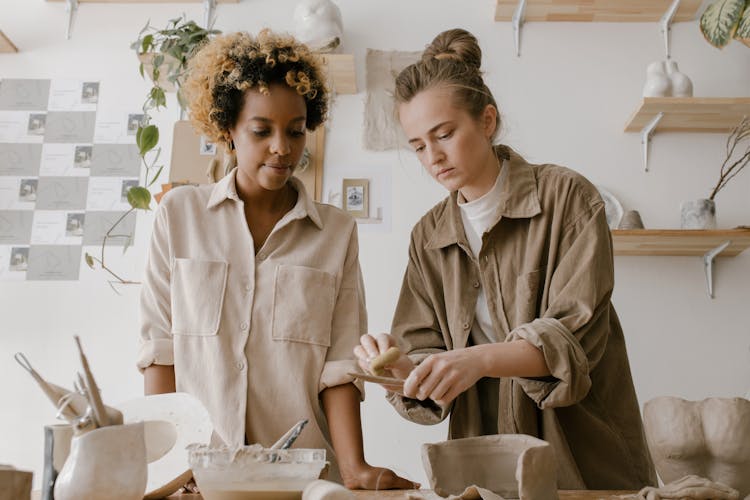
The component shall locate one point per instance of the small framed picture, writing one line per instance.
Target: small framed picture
(356, 197)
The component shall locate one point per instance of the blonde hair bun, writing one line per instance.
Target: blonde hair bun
(457, 45)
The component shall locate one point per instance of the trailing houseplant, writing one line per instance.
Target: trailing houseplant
(726, 19)
(163, 56)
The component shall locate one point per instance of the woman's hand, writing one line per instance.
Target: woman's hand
(442, 377)
(372, 346)
(367, 477)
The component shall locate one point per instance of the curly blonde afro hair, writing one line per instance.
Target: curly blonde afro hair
(227, 66)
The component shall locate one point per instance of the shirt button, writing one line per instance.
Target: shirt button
(476, 284)
(240, 365)
(248, 287)
(466, 326)
(244, 326)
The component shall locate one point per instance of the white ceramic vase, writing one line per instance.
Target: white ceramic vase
(681, 84)
(698, 214)
(108, 463)
(657, 83)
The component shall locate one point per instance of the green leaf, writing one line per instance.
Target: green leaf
(719, 21)
(146, 43)
(743, 28)
(156, 176)
(158, 60)
(140, 70)
(139, 197)
(90, 261)
(147, 139)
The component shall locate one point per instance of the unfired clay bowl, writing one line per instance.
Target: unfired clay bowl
(709, 438)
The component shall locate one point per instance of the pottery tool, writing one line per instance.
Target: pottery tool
(379, 362)
(70, 409)
(286, 441)
(391, 381)
(100, 415)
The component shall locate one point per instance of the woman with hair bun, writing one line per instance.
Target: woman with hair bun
(252, 299)
(504, 320)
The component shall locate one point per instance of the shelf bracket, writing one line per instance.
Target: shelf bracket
(209, 13)
(646, 134)
(518, 16)
(71, 8)
(708, 265)
(665, 24)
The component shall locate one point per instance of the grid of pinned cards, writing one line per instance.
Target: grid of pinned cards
(65, 170)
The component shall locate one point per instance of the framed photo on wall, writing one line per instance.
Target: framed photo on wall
(355, 197)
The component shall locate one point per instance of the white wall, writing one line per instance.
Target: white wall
(566, 100)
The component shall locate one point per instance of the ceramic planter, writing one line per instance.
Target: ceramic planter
(698, 214)
(108, 463)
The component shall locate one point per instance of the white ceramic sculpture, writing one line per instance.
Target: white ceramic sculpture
(698, 214)
(680, 83)
(511, 465)
(108, 463)
(318, 24)
(658, 83)
(709, 438)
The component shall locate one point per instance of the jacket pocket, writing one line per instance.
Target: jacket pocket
(198, 288)
(528, 295)
(303, 302)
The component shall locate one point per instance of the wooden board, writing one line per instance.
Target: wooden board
(597, 10)
(679, 242)
(402, 495)
(147, 1)
(690, 114)
(6, 45)
(341, 73)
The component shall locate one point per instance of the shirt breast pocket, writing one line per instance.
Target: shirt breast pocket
(197, 291)
(303, 302)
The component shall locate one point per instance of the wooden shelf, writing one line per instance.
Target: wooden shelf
(637, 11)
(341, 73)
(6, 45)
(690, 114)
(147, 1)
(679, 242)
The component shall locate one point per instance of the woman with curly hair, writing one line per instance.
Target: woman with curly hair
(505, 321)
(252, 299)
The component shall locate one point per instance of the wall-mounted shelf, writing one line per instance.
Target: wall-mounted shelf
(341, 73)
(707, 244)
(664, 11)
(637, 11)
(6, 45)
(686, 114)
(678, 242)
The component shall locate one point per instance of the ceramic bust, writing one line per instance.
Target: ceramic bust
(318, 24)
(657, 83)
(706, 438)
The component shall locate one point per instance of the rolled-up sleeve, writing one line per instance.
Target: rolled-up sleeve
(349, 322)
(572, 333)
(417, 330)
(156, 343)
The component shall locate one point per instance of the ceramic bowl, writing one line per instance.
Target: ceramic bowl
(254, 472)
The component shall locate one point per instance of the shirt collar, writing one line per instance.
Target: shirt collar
(519, 199)
(226, 189)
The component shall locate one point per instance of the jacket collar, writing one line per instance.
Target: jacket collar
(226, 189)
(519, 199)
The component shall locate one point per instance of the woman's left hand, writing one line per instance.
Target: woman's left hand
(367, 477)
(442, 377)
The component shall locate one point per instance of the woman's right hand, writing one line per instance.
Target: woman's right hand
(372, 346)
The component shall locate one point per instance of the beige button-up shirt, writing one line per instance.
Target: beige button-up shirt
(255, 338)
(546, 267)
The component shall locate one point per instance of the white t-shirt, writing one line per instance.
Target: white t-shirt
(478, 216)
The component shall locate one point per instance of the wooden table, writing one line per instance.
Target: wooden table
(401, 494)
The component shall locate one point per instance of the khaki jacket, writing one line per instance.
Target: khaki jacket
(546, 267)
